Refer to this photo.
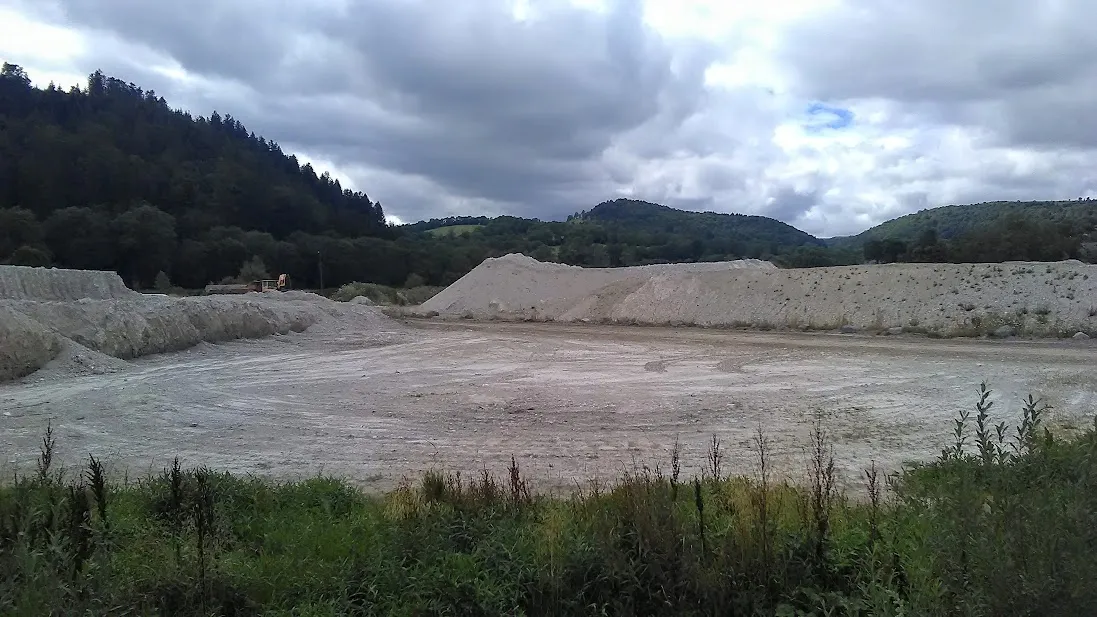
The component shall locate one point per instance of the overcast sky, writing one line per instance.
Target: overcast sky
(831, 115)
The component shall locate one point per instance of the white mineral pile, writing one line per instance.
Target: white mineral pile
(522, 287)
(46, 312)
(1040, 299)
(25, 283)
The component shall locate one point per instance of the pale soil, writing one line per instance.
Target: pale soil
(60, 284)
(1022, 298)
(568, 401)
(85, 322)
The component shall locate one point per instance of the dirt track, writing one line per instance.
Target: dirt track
(570, 402)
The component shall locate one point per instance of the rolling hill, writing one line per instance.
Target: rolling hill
(629, 232)
(952, 222)
(619, 233)
(741, 229)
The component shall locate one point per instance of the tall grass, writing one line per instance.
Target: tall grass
(1003, 523)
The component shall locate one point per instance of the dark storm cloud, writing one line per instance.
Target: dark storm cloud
(1025, 70)
(718, 178)
(241, 39)
(790, 204)
(457, 95)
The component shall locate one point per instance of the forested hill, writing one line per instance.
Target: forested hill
(109, 176)
(985, 232)
(949, 222)
(717, 232)
(619, 233)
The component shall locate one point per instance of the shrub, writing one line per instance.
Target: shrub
(162, 283)
(253, 270)
(381, 294)
(30, 256)
(378, 294)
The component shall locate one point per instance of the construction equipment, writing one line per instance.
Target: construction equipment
(264, 285)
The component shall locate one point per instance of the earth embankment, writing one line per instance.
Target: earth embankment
(1007, 299)
(91, 319)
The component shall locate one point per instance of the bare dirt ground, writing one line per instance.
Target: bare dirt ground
(570, 402)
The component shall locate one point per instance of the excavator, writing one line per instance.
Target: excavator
(278, 284)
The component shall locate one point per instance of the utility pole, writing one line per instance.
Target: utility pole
(320, 267)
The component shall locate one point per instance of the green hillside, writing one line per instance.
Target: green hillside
(985, 232)
(623, 233)
(954, 221)
(453, 230)
(449, 221)
(727, 233)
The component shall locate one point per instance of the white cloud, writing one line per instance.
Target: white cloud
(46, 50)
(711, 112)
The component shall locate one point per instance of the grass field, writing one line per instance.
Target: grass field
(454, 230)
(1003, 523)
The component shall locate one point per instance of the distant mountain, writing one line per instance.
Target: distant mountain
(760, 233)
(625, 232)
(951, 222)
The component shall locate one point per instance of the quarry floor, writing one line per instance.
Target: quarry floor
(570, 403)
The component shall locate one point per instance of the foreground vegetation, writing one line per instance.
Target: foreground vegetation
(1004, 523)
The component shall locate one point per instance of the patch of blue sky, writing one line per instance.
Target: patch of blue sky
(821, 116)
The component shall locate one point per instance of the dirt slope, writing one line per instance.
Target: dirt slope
(44, 314)
(26, 283)
(1039, 299)
(520, 286)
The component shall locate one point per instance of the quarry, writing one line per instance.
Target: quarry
(543, 362)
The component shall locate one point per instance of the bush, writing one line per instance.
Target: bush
(381, 294)
(253, 270)
(378, 294)
(162, 282)
(30, 256)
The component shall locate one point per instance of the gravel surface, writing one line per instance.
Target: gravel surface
(570, 402)
(343, 389)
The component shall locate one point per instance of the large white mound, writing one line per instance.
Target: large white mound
(26, 283)
(518, 286)
(1042, 299)
(40, 317)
